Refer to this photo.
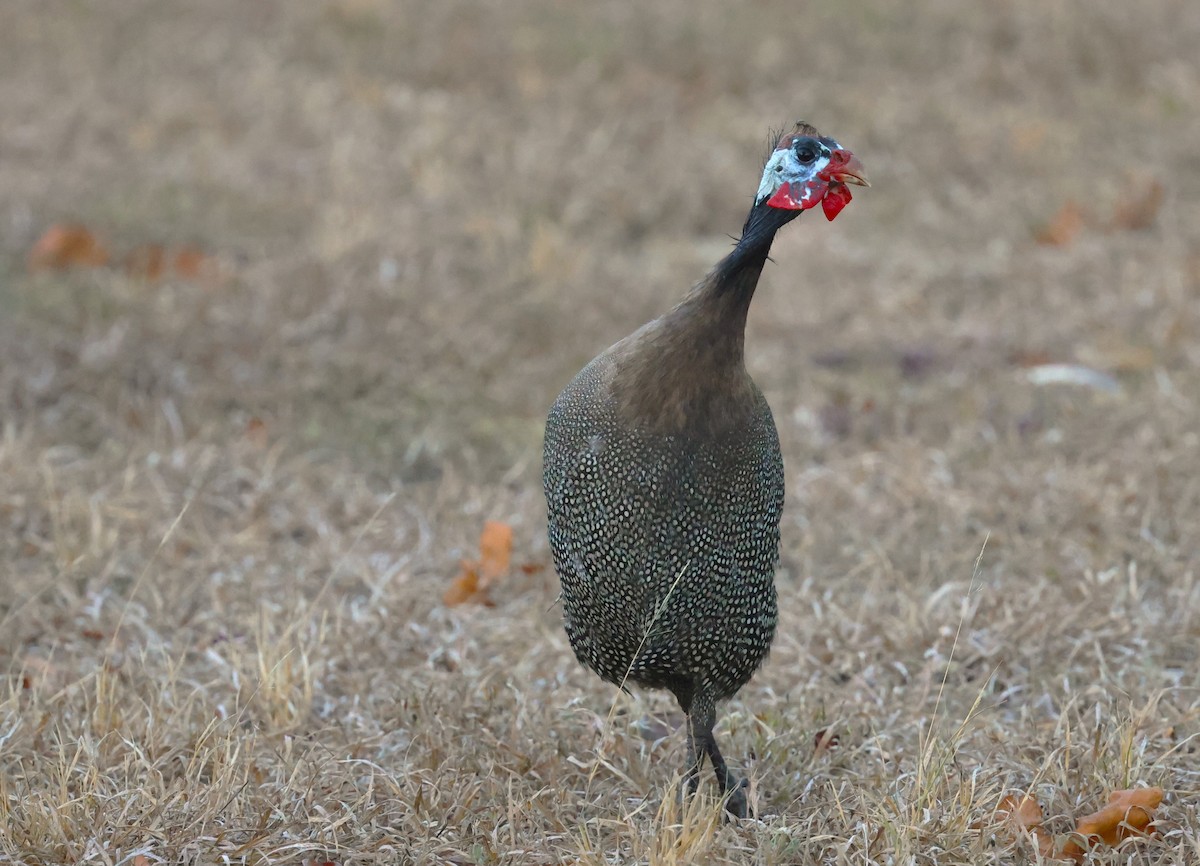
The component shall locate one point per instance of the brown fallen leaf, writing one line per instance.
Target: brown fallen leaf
(1024, 812)
(147, 262)
(154, 262)
(495, 549)
(1139, 206)
(191, 263)
(477, 577)
(1024, 815)
(466, 587)
(66, 245)
(1062, 228)
(1030, 357)
(257, 433)
(1128, 813)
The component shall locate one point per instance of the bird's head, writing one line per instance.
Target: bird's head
(806, 169)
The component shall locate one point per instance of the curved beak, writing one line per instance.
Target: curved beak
(845, 167)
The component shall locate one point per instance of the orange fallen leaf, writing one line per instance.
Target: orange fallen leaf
(66, 245)
(495, 549)
(1024, 812)
(139, 860)
(465, 587)
(1128, 813)
(1045, 842)
(1024, 815)
(153, 262)
(192, 264)
(1062, 228)
(477, 577)
(146, 262)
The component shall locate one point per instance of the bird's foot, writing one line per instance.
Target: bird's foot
(736, 803)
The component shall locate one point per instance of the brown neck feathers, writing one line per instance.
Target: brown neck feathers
(684, 372)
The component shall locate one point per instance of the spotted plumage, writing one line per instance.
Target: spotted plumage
(691, 526)
(664, 480)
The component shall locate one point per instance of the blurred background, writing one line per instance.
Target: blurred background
(286, 289)
(423, 218)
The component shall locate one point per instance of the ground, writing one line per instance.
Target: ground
(232, 500)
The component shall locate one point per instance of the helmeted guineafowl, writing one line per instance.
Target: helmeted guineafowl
(664, 479)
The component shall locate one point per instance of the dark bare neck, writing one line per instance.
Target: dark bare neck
(720, 303)
(685, 371)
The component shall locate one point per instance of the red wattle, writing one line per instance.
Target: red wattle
(789, 197)
(836, 199)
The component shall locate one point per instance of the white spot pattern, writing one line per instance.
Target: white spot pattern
(666, 546)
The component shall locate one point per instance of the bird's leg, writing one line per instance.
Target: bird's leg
(731, 786)
(701, 741)
(725, 779)
(695, 756)
(696, 751)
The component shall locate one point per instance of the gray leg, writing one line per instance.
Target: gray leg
(695, 757)
(695, 749)
(701, 718)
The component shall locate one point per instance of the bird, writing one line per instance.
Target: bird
(664, 479)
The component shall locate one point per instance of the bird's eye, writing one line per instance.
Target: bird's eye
(806, 151)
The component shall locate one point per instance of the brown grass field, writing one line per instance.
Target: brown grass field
(230, 503)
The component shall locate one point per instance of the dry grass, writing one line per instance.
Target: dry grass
(223, 642)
